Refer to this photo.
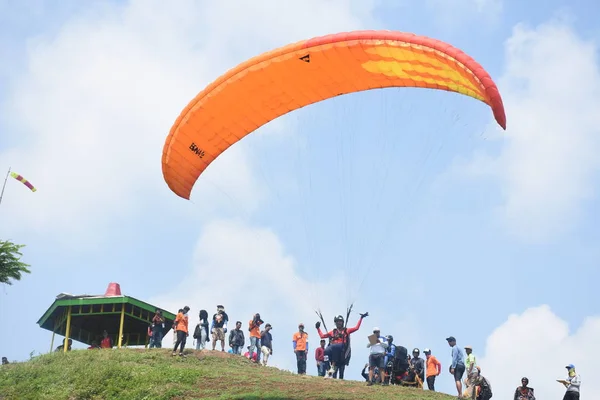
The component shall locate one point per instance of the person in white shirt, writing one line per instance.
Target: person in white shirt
(377, 355)
(572, 383)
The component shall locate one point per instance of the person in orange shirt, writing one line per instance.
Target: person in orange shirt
(434, 368)
(181, 330)
(300, 340)
(254, 328)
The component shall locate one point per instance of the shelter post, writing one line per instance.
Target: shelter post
(121, 325)
(52, 342)
(68, 331)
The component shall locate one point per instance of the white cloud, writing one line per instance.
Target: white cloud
(548, 160)
(538, 344)
(89, 114)
(247, 270)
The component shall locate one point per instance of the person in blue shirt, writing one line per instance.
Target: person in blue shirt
(457, 368)
(389, 357)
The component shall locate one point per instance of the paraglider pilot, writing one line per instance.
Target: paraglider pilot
(338, 351)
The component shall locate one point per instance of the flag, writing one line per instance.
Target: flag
(23, 181)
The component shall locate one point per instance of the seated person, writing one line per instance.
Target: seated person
(416, 368)
(62, 346)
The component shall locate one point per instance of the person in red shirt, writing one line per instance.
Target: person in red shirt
(106, 342)
(338, 351)
(320, 358)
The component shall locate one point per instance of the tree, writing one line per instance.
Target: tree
(10, 266)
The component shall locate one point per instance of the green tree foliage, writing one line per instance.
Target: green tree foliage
(10, 265)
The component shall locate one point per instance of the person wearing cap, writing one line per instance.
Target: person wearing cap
(181, 329)
(434, 368)
(266, 343)
(377, 355)
(524, 392)
(457, 368)
(300, 342)
(471, 365)
(572, 383)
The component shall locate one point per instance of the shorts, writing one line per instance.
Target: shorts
(377, 360)
(218, 334)
(459, 372)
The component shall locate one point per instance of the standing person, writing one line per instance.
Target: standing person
(338, 351)
(471, 365)
(376, 356)
(158, 323)
(237, 339)
(181, 328)
(254, 328)
(300, 341)
(434, 368)
(457, 369)
(416, 367)
(266, 343)
(320, 358)
(202, 330)
(225, 317)
(524, 392)
(572, 383)
(218, 328)
(175, 328)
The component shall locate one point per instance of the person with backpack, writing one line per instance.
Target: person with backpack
(201, 331)
(482, 388)
(338, 351)
(237, 339)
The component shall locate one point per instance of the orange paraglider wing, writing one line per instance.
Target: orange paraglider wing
(291, 77)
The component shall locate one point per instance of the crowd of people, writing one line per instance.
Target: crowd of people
(388, 362)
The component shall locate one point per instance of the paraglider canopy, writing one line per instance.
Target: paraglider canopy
(294, 76)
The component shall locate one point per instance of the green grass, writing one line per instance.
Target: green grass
(133, 374)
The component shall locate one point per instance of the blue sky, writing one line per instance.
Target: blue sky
(491, 235)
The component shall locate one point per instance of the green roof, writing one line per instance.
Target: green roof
(91, 315)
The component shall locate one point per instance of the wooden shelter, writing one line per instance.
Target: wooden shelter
(84, 318)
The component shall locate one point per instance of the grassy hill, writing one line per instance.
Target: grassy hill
(133, 374)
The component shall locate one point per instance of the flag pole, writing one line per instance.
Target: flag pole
(4, 185)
